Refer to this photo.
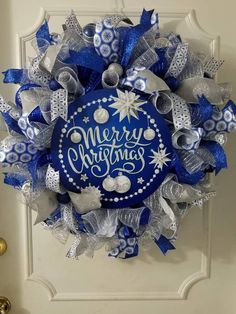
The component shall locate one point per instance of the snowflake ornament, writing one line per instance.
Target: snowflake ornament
(127, 105)
(159, 158)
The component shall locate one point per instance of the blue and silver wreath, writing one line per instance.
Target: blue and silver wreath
(113, 133)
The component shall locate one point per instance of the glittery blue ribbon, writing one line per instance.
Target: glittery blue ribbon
(218, 152)
(36, 116)
(43, 35)
(182, 174)
(93, 82)
(164, 244)
(133, 35)
(15, 76)
(161, 66)
(14, 179)
(88, 58)
(11, 123)
(144, 216)
(200, 112)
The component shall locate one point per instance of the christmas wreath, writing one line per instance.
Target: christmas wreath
(114, 130)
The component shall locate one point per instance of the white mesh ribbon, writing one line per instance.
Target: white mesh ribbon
(65, 225)
(44, 136)
(102, 222)
(179, 61)
(59, 104)
(178, 193)
(44, 205)
(60, 231)
(50, 57)
(78, 247)
(53, 180)
(157, 205)
(193, 87)
(131, 216)
(84, 243)
(87, 200)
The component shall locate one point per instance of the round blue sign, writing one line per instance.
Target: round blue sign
(113, 140)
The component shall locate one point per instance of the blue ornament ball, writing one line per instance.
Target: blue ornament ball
(89, 31)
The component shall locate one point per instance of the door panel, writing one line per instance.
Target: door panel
(35, 274)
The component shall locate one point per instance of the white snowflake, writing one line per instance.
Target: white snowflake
(159, 158)
(127, 105)
(140, 180)
(84, 177)
(86, 119)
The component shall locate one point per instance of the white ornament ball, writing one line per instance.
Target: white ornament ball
(109, 184)
(101, 115)
(149, 134)
(123, 184)
(76, 137)
(116, 67)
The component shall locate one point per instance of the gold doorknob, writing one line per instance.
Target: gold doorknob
(5, 305)
(3, 246)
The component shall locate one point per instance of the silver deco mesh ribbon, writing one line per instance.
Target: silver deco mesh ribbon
(69, 81)
(110, 79)
(187, 139)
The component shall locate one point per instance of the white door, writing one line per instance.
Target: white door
(200, 276)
